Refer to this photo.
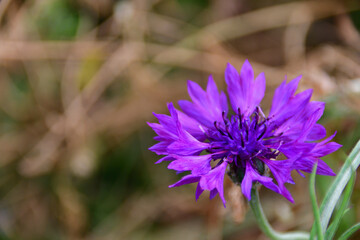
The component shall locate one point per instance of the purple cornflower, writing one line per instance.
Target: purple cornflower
(208, 140)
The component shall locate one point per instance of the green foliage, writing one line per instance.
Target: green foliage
(315, 207)
(194, 5)
(342, 180)
(330, 232)
(19, 89)
(349, 232)
(355, 16)
(88, 68)
(119, 174)
(8, 124)
(58, 20)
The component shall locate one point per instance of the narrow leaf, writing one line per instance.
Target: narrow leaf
(337, 187)
(349, 232)
(314, 204)
(342, 209)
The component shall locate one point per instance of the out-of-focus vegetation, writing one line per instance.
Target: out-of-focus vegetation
(79, 79)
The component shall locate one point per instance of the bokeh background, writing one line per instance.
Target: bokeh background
(79, 79)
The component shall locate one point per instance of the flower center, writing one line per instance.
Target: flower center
(238, 140)
(239, 135)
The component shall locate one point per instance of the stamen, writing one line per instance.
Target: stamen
(257, 153)
(218, 128)
(228, 132)
(240, 118)
(262, 122)
(276, 151)
(256, 120)
(242, 140)
(205, 133)
(247, 131)
(261, 112)
(280, 144)
(226, 121)
(263, 132)
(256, 112)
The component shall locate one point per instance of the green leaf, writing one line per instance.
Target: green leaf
(349, 232)
(314, 204)
(330, 232)
(337, 187)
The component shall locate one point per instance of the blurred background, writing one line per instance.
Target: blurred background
(79, 79)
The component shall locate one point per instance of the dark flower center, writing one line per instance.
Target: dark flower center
(239, 140)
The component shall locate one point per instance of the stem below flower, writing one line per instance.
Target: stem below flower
(265, 226)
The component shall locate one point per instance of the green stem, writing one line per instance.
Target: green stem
(265, 226)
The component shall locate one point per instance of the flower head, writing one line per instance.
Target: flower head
(209, 141)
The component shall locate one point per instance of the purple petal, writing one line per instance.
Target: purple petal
(166, 158)
(244, 92)
(284, 119)
(173, 137)
(317, 132)
(198, 165)
(186, 180)
(198, 192)
(186, 145)
(289, 111)
(213, 193)
(324, 148)
(281, 171)
(306, 164)
(309, 124)
(192, 126)
(303, 124)
(251, 176)
(283, 94)
(215, 180)
(162, 131)
(193, 111)
(258, 91)
(217, 101)
(207, 106)
(295, 149)
(160, 148)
